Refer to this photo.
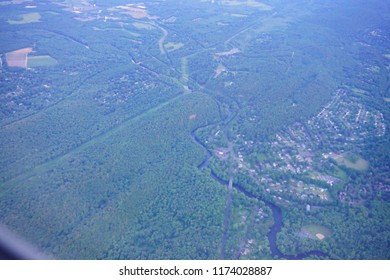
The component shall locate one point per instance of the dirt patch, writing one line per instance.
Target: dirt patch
(134, 10)
(320, 236)
(315, 232)
(171, 19)
(219, 71)
(192, 117)
(228, 53)
(18, 58)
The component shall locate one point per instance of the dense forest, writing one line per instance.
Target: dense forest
(199, 129)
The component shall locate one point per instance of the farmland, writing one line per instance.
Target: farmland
(26, 18)
(18, 58)
(196, 129)
(41, 60)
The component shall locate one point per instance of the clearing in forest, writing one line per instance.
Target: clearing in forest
(248, 3)
(315, 231)
(4, 3)
(171, 46)
(228, 53)
(358, 90)
(352, 161)
(134, 10)
(141, 25)
(192, 116)
(219, 70)
(26, 18)
(184, 74)
(238, 15)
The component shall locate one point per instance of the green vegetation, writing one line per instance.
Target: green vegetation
(171, 46)
(141, 25)
(184, 74)
(40, 61)
(315, 231)
(174, 209)
(352, 161)
(249, 3)
(26, 18)
(119, 135)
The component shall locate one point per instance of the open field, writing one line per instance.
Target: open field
(228, 53)
(3, 3)
(40, 61)
(356, 90)
(248, 3)
(18, 58)
(137, 12)
(352, 161)
(239, 15)
(184, 69)
(315, 231)
(203, 129)
(117, 29)
(171, 46)
(219, 70)
(78, 2)
(26, 18)
(145, 26)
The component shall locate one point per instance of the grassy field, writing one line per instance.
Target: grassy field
(238, 15)
(117, 29)
(315, 231)
(358, 90)
(184, 71)
(248, 3)
(26, 18)
(80, 2)
(40, 61)
(352, 161)
(3, 3)
(100, 152)
(145, 26)
(339, 173)
(171, 46)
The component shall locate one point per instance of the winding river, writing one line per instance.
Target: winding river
(276, 211)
